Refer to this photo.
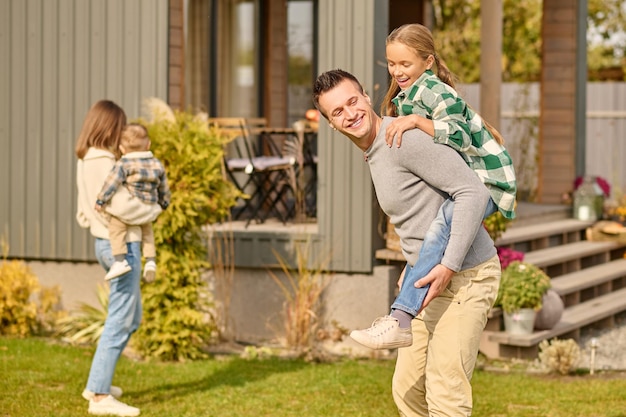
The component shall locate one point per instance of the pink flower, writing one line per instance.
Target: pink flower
(601, 182)
(508, 255)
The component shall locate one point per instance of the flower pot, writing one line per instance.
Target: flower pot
(521, 321)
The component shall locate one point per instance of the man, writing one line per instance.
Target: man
(432, 376)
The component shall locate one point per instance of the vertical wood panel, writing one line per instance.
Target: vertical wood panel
(66, 191)
(19, 113)
(62, 56)
(559, 36)
(48, 130)
(5, 125)
(345, 191)
(34, 71)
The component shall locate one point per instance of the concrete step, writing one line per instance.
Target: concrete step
(544, 258)
(550, 230)
(590, 277)
(574, 318)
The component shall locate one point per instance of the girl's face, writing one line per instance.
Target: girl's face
(404, 65)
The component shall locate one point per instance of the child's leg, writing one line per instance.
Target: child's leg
(117, 237)
(410, 299)
(491, 208)
(147, 241)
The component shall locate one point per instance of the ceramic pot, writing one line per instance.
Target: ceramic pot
(521, 321)
(551, 311)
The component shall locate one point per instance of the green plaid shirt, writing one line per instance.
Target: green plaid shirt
(459, 127)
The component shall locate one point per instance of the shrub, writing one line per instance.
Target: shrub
(559, 355)
(177, 322)
(20, 314)
(87, 325)
(522, 286)
(496, 224)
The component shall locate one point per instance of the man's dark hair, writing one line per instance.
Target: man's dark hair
(329, 80)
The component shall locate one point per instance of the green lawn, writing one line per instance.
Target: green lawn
(45, 378)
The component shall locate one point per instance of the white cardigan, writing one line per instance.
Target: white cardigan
(91, 172)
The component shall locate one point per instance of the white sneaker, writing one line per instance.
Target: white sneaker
(385, 333)
(114, 391)
(118, 268)
(110, 406)
(149, 271)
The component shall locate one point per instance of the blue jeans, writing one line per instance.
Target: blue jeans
(410, 299)
(123, 316)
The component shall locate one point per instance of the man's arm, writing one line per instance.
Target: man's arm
(442, 168)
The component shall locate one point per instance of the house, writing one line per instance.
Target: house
(230, 56)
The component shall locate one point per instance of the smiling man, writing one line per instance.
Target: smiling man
(432, 376)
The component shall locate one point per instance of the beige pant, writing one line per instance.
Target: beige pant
(432, 377)
(117, 237)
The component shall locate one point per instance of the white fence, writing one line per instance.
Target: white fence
(605, 129)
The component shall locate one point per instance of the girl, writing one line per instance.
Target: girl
(430, 103)
(97, 150)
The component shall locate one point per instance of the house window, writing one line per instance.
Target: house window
(301, 57)
(239, 96)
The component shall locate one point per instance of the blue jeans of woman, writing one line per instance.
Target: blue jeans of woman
(123, 316)
(410, 299)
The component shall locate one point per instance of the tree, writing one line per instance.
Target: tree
(606, 39)
(457, 38)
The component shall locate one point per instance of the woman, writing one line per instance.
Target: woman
(97, 150)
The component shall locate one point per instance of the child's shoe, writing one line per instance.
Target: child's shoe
(149, 271)
(118, 268)
(385, 333)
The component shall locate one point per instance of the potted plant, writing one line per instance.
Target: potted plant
(521, 292)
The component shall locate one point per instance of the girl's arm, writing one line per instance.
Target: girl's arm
(403, 123)
(448, 112)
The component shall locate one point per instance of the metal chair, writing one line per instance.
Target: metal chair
(264, 175)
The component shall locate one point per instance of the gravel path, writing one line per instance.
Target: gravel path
(611, 348)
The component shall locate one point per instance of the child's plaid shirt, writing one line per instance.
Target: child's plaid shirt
(461, 128)
(142, 174)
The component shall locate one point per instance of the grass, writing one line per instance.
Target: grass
(44, 378)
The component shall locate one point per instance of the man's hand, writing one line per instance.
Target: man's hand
(98, 208)
(438, 278)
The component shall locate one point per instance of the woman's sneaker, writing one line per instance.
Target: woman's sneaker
(114, 391)
(110, 406)
(118, 268)
(385, 333)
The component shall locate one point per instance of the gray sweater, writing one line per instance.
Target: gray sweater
(412, 182)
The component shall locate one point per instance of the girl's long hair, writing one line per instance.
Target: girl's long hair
(102, 128)
(419, 38)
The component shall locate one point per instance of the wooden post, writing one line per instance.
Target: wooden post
(490, 60)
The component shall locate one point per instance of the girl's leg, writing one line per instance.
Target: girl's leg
(410, 299)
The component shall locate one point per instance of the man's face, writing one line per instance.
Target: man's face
(349, 111)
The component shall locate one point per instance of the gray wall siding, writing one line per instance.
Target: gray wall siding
(63, 55)
(348, 36)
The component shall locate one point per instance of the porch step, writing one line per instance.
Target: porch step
(543, 235)
(570, 286)
(573, 319)
(590, 277)
(561, 254)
